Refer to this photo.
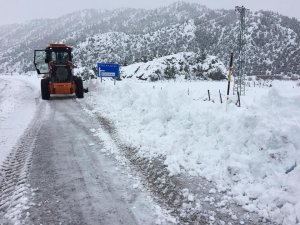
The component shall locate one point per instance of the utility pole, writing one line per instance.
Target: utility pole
(240, 78)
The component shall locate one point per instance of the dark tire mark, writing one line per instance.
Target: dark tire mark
(14, 187)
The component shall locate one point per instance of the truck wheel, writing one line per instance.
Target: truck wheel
(79, 87)
(45, 89)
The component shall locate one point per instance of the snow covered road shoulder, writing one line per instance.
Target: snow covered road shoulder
(19, 96)
(250, 152)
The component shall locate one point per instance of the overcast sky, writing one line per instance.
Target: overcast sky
(16, 11)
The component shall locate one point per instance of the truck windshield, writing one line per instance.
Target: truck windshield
(59, 56)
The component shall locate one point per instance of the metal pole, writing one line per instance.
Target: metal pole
(229, 79)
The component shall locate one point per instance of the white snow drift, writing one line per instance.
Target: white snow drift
(252, 151)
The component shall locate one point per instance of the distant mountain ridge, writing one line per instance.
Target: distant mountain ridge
(128, 36)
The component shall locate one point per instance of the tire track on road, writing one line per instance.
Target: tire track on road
(74, 181)
(14, 188)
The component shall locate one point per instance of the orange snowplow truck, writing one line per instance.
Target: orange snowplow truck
(56, 63)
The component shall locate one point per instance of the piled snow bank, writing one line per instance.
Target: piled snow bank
(253, 151)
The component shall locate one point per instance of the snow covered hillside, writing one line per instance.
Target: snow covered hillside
(187, 65)
(128, 36)
(251, 153)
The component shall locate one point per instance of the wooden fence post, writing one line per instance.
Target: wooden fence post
(208, 95)
(220, 97)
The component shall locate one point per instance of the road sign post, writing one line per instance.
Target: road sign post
(108, 70)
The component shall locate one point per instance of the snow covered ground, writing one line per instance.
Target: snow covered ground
(35, 189)
(17, 108)
(19, 97)
(252, 152)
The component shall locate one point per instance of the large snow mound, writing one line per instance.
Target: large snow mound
(252, 151)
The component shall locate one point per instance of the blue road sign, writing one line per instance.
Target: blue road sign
(108, 70)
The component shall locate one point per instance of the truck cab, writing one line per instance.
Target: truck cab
(56, 63)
